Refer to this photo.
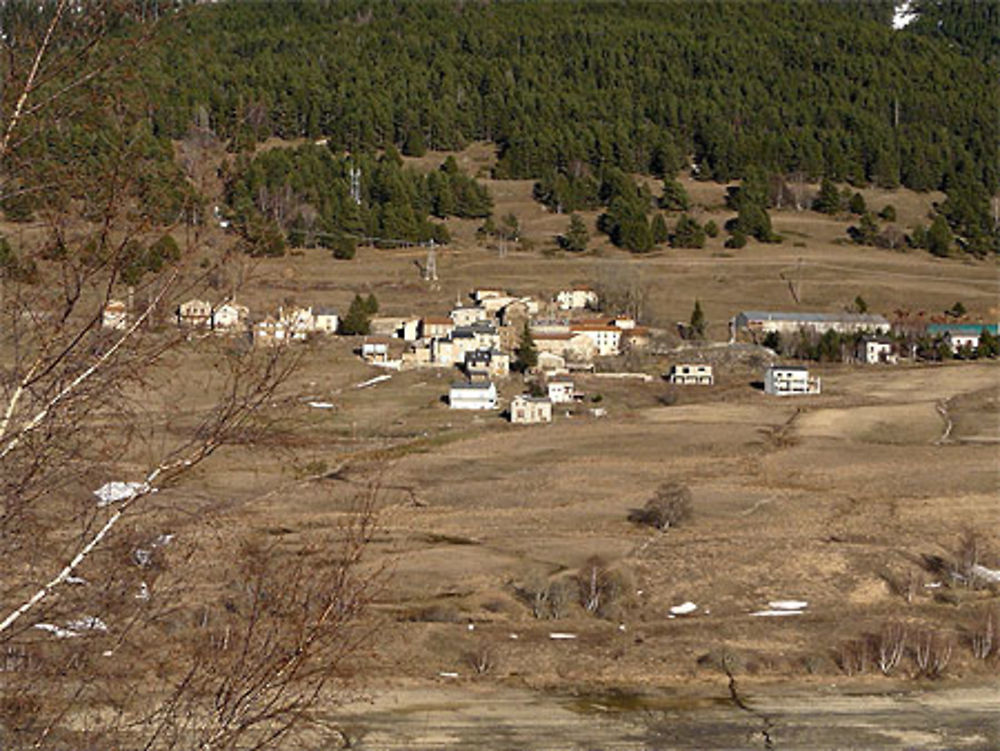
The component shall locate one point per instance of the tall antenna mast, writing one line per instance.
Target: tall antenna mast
(430, 269)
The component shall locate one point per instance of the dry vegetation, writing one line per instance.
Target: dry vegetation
(838, 500)
(495, 537)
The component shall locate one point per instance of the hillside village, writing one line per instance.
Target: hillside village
(496, 332)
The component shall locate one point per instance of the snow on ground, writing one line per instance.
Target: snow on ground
(321, 405)
(788, 604)
(372, 381)
(116, 490)
(904, 14)
(684, 608)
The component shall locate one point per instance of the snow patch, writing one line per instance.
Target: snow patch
(776, 612)
(58, 631)
(684, 608)
(559, 635)
(372, 381)
(904, 14)
(788, 604)
(116, 490)
(321, 405)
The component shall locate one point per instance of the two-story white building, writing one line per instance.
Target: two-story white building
(787, 380)
(229, 317)
(480, 395)
(692, 375)
(560, 389)
(873, 350)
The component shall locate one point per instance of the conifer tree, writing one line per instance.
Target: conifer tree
(698, 323)
(576, 237)
(527, 352)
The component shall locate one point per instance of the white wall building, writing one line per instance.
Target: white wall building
(326, 320)
(606, 338)
(478, 396)
(787, 380)
(764, 322)
(230, 317)
(692, 375)
(875, 350)
(527, 410)
(560, 389)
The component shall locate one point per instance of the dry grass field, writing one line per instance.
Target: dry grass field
(832, 499)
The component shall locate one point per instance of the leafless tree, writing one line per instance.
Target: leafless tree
(669, 506)
(854, 656)
(117, 636)
(890, 646)
(622, 290)
(983, 638)
(592, 580)
(931, 652)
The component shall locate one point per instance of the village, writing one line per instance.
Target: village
(554, 343)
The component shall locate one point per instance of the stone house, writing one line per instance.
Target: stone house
(530, 410)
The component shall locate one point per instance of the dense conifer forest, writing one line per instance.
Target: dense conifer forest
(575, 95)
(570, 90)
(828, 88)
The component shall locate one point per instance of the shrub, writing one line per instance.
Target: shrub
(669, 506)
(736, 240)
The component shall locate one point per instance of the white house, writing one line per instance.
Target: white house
(560, 389)
(527, 410)
(229, 317)
(786, 380)
(876, 349)
(115, 315)
(959, 340)
(479, 395)
(326, 320)
(692, 375)
(576, 298)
